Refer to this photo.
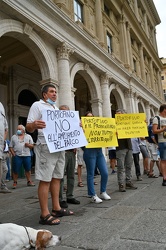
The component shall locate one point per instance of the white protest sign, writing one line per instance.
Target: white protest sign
(63, 130)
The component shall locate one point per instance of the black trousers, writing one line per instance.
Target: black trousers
(136, 164)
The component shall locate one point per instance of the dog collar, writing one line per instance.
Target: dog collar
(30, 241)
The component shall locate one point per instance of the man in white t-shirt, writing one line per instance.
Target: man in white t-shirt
(3, 135)
(159, 127)
(49, 167)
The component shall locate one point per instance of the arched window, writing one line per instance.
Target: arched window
(26, 98)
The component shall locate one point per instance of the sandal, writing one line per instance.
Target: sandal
(49, 220)
(80, 184)
(95, 183)
(152, 176)
(61, 212)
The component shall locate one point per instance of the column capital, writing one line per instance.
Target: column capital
(104, 79)
(64, 51)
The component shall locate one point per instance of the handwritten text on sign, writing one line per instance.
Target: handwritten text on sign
(62, 130)
(99, 131)
(131, 125)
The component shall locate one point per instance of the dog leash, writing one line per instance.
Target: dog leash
(30, 241)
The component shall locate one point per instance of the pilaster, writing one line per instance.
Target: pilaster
(142, 63)
(99, 22)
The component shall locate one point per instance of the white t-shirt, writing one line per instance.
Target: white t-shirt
(19, 145)
(162, 123)
(35, 113)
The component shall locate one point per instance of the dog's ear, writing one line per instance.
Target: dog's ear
(42, 239)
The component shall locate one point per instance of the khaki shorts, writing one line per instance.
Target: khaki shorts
(48, 165)
(153, 151)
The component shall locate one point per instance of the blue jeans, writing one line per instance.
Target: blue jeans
(93, 157)
(18, 161)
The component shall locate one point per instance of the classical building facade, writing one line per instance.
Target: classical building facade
(100, 54)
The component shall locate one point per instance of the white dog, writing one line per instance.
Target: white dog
(17, 237)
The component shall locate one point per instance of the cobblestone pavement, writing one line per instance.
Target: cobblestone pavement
(129, 221)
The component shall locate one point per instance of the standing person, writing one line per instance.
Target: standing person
(80, 162)
(145, 154)
(20, 148)
(94, 157)
(3, 135)
(112, 157)
(70, 162)
(7, 152)
(159, 128)
(136, 151)
(124, 158)
(5, 168)
(49, 167)
(153, 149)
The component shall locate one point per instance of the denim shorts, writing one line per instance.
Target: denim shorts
(162, 150)
(19, 161)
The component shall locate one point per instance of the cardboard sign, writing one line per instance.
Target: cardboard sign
(99, 131)
(131, 125)
(63, 130)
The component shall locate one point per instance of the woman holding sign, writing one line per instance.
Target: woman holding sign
(93, 157)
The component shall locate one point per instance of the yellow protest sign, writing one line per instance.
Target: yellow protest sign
(131, 125)
(99, 131)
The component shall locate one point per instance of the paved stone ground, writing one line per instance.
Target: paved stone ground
(134, 220)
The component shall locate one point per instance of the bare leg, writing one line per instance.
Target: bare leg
(15, 177)
(79, 171)
(163, 168)
(43, 190)
(113, 163)
(28, 175)
(151, 167)
(54, 189)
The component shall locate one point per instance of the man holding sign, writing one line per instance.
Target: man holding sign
(49, 167)
(124, 161)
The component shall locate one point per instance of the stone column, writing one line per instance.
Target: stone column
(130, 54)
(146, 25)
(136, 8)
(148, 115)
(142, 63)
(104, 81)
(63, 54)
(151, 75)
(97, 107)
(130, 102)
(123, 41)
(99, 22)
(159, 83)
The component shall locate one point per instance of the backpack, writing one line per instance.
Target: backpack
(158, 127)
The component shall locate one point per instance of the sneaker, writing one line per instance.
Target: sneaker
(105, 196)
(14, 184)
(122, 188)
(113, 172)
(4, 189)
(139, 178)
(96, 199)
(130, 185)
(30, 184)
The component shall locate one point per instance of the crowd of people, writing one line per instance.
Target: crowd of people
(51, 169)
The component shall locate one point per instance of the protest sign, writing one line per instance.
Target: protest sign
(131, 125)
(63, 130)
(99, 131)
